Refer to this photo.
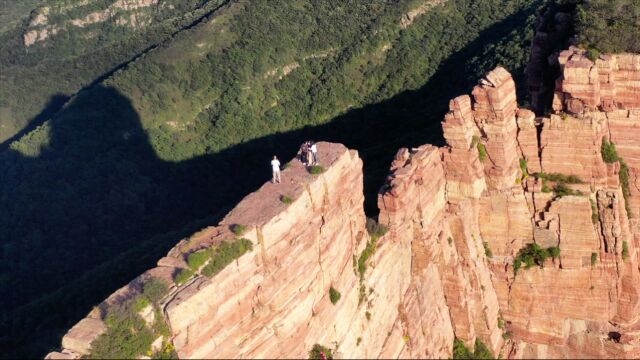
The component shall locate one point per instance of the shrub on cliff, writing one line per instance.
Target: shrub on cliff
(482, 150)
(460, 350)
(610, 155)
(625, 250)
(224, 254)
(594, 258)
(239, 229)
(624, 184)
(319, 352)
(316, 170)
(126, 337)
(182, 276)
(609, 152)
(560, 178)
(155, 289)
(487, 250)
(532, 254)
(334, 295)
(375, 229)
(286, 199)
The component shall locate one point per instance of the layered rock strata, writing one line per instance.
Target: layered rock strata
(458, 219)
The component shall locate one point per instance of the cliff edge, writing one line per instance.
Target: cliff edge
(519, 237)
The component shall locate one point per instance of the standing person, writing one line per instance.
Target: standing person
(309, 154)
(304, 149)
(314, 152)
(275, 167)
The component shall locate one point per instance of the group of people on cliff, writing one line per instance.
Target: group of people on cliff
(308, 156)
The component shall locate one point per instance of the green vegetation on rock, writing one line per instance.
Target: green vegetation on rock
(198, 258)
(560, 182)
(487, 250)
(316, 170)
(239, 229)
(286, 199)
(318, 352)
(224, 254)
(532, 254)
(609, 152)
(127, 336)
(609, 26)
(625, 250)
(460, 350)
(183, 275)
(610, 155)
(334, 295)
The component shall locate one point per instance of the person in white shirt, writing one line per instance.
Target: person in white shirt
(275, 166)
(314, 152)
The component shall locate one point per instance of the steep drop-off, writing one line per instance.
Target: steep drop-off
(455, 262)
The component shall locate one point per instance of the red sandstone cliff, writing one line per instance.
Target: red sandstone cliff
(430, 278)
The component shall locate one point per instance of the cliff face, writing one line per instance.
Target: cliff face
(453, 263)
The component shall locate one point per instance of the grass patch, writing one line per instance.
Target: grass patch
(286, 199)
(198, 258)
(532, 254)
(319, 352)
(183, 275)
(316, 170)
(487, 250)
(334, 295)
(594, 258)
(625, 250)
(239, 229)
(225, 254)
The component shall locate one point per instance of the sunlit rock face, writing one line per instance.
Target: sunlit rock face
(458, 217)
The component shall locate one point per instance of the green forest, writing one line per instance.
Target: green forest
(176, 123)
(39, 79)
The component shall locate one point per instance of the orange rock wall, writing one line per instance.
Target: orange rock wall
(457, 217)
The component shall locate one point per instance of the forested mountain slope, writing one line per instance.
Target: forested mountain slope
(169, 142)
(50, 49)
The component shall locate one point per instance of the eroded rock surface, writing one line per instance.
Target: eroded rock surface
(458, 218)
